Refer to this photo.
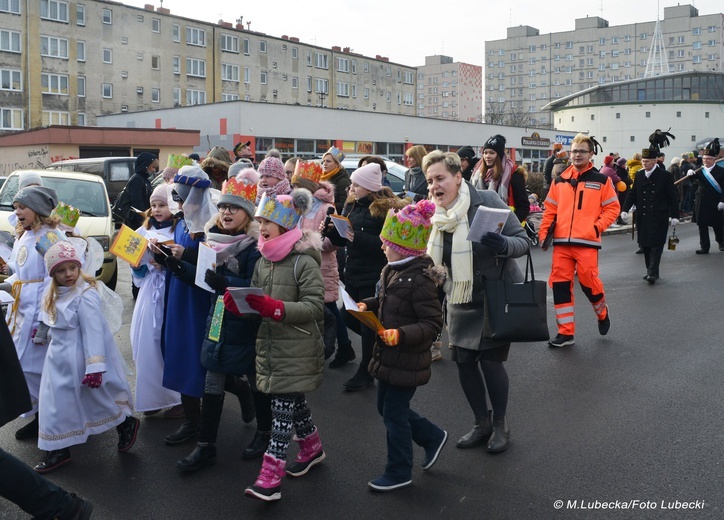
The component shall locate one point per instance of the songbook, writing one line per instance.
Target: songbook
(129, 246)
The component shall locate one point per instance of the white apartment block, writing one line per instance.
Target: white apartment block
(449, 90)
(66, 62)
(527, 70)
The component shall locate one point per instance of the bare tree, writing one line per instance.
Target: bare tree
(505, 113)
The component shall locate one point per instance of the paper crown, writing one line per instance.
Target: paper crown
(177, 161)
(285, 210)
(48, 240)
(307, 171)
(408, 230)
(240, 188)
(336, 153)
(69, 215)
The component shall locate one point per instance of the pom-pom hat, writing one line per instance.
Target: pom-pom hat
(60, 253)
(408, 230)
(272, 167)
(285, 210)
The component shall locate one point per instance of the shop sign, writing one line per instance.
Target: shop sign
(535, 140)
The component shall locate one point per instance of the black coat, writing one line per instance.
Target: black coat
(139, 188)
(656, 200)
(14, 395)
(416, 183)
(706, 212)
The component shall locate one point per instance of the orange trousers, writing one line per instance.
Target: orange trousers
(569, 261)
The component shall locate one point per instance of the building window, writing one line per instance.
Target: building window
(53, 117)
(229, 97)
(155, 25)
(706, 115)
(295, 53)
(696, 31)
(155, 95)
(366, 93)
(107, 56)
(54, 47)
(176, 64)
(196, 68)
(176, 32)
(54, 10)
(295, 82)
(309, 58)
(156, 62)
(322, 86)
(107, 90)
(648, 114)
(195, 36)
(354, 90)
(263, 77)
(262, 46)
(388, 71)
(176, 97)
(342, 89)
(342, 65)
(80, 86)
(79, 14)
(11, 118)
(643, 36)
(696, 45)
(614, 39)
(107, 16)
(11, 79)
(247, 75)
(229, 43)
(80, 50)
(354, 66)
(321, 60)
(139, 18)
(195, 97)
(81, 119)
(681, 53)
(309, 83)
(229, 72)
(245, 46)
(10, 6)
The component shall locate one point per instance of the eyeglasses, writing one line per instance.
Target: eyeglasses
(580, 152)
(225, 207)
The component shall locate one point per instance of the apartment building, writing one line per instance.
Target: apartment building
(528, 70)
(447, 89)
(66, 62)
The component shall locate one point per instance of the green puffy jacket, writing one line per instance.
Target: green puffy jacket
(290, 352)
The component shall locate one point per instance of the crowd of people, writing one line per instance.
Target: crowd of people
(265, 319)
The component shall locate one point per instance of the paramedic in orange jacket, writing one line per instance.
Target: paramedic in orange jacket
(583, 203)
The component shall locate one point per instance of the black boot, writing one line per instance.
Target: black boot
(190, 427)
(127, 432)
(52, 460)
(478, 435)
(361, 380)
(501, 433)
(257, 446)
(204, 453)
(241, 389)
(29, 431)
(345, 354)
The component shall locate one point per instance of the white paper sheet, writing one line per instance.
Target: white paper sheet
(206, 260)
(240, 293)
(341, 225)
(487, 219)
(349, 303)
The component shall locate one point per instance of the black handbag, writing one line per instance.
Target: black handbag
(515, 312)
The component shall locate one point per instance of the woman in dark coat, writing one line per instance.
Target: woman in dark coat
(479, 362)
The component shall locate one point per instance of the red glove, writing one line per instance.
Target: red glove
(92, 380)
(267, 306)
(390, 337)
(230, 304)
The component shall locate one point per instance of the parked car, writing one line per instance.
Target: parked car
(395, 172)
(115, 171)
(84, 191)
(2, 181)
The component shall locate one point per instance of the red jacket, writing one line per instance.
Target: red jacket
(583, 204)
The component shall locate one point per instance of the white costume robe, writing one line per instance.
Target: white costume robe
(80, 344)
(30, 278)
(146, 335)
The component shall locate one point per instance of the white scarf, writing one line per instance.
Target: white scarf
(455, 221)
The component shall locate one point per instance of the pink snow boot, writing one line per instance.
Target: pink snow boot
(310, 453)
(268, 485)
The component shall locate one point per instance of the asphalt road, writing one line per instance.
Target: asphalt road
(633, 419)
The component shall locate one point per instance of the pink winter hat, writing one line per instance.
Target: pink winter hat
(160, 194)
(368, 177)
(272, 167)
(60, 253)
(408, 230)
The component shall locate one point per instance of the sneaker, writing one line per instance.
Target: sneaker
(614, 225)
(561, 340)
(432, 453)
(385, 484)
(605, 323)
(435, 351)
(127, 432)
(53, 460)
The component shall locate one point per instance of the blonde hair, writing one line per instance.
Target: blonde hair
(583, 138)
(417, 152)
(450, 160)
(39, 221)
(51, 296)
(147, 220)
(243, 227)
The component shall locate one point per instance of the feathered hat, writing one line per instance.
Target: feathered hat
(658, 140)
(713, 148)
(285, 210)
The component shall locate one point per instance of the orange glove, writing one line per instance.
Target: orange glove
(390, 337)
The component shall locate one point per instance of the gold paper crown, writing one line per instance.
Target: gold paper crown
(279, 210)
(177, 161)
(68, 214)
(239, 188)
(307, 170)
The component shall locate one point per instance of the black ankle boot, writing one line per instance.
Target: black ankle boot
(52, 460)
(29, 431)
(191, 426)
(499, 439)
(204, 454)
(359, 381)
(345, 354)
(258, 445)
(478, 435)
(127, 432)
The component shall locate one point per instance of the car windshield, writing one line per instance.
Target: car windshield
(87, 196)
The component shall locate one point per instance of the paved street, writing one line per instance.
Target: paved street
(633, 416)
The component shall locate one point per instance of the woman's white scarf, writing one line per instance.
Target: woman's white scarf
(455, 221)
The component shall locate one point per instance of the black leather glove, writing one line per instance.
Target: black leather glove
(160, 258)
(175, 266)
(495, 241)
(216, 281)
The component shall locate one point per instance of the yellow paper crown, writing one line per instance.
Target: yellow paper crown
(69, 215)
(177, 161)
(307, 170)
(240, 188)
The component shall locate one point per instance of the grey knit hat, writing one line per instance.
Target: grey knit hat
(41, 199)
(26, 179)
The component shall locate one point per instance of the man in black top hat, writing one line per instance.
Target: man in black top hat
(657, 204)
(711, 202)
